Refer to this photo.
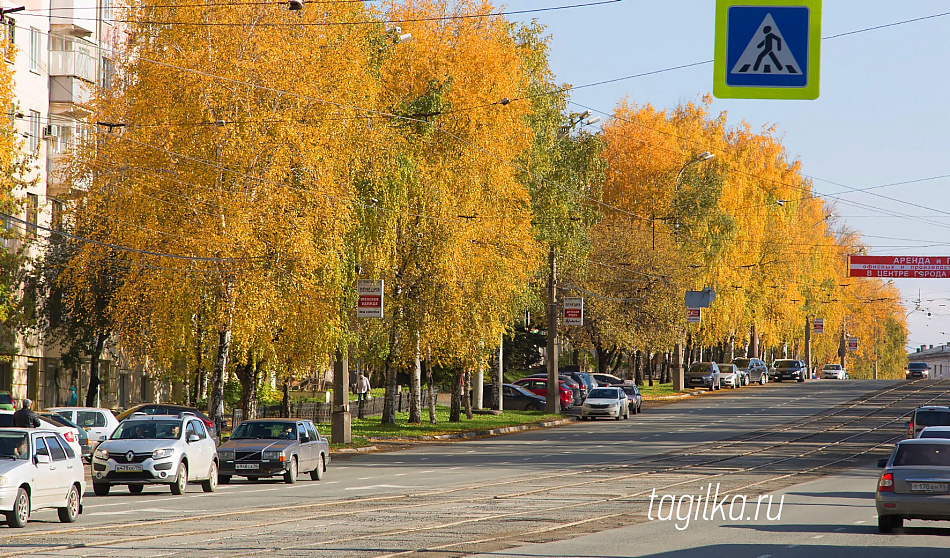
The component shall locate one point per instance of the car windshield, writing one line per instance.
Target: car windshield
(603, 393)
(522, 390)
(148, 430)
(832, 367)
(265, 431)
(5, 399)
(918, 366)
(726, 368)
(700, 367)
(14, 445)
(935, 433)
(786, 363)
(923, 455)
(741, 362)
(932, 418)
(629, 390)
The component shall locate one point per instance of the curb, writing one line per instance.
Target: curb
(478, 433)
(355, 450)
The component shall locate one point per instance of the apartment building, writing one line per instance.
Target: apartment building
(62, 51)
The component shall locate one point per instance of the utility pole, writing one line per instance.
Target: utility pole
(498, 397)
(808, 343)
(553, 405)
(340, 420)
(843, 346)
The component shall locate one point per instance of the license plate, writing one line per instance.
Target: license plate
(929, 486)
(134, 468)
(247, 466)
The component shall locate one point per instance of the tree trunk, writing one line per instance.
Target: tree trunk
(249, 376)
(467, 393)
(647, 370)
(432, 393)
(216, 398)
(389, 380)
(455, 412)
(92, 395)
(415, 386)
(285, 401)
(637, 374)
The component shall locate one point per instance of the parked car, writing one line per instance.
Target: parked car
(633, 397)
(915, 483)
(577, 397)
(274, 447)
(703, 374)
(67, 432)
(754, 370)
(6, 401)
(608, 380)
(99, 423)
(833, 372)
(173, 410)
(579, 379)
(608, 402)
(917, 370)
(516, 398)
(82, 438)
(729, 375)
(935, 432)
(156, 449)
(787, 369)
(928, 415)
(39, 470)
(539, 386)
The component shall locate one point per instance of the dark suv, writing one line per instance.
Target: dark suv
(753, 369)
(917, 370)
(786, 369)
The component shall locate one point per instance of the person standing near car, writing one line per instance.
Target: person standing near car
(25, 417)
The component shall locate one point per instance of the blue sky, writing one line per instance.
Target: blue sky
(882, 115)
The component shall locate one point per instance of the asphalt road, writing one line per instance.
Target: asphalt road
(392, 503)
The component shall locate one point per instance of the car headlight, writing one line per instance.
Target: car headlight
(272, 455)
(162, 453)
(102, 454)
(613, 405)
(227, 455)
(4, 481)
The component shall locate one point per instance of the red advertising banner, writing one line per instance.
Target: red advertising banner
(694, 315)
(911, 267)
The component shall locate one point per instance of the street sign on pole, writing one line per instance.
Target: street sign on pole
(767, 49)
(819, 325)
(914, 267)
(694, 315)
(573, 311)
(852, 343)
(370, 304)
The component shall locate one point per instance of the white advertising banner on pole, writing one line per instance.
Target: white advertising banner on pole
(573, 311)
(819, 325)
(694, 315)
(370, 304)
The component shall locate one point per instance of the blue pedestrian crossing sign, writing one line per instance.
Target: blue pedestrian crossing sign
(767, 49)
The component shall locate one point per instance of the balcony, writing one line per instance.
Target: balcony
(68, 96)
(76, 18)
(73, 63)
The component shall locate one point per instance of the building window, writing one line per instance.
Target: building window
(106, 74)
(106, 9)
(35, 130)
(32, 214)
(56, 217)
(36, 52)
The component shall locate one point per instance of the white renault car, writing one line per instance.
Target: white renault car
(156, 449)
(610, 402)
(39, 470)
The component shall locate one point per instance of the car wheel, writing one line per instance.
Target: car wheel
(762, 380)
(71, 511)
(619, 415)
(253, 479)
(887, 523)
(20, 514)
(101, 488)
(531, 407)
(290, 476)
(136, 488)
(224, 479)
(181, 481)
(212, 483)
(317, 474)
(639, 408)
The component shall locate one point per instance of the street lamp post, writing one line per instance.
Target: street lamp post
(678, 348)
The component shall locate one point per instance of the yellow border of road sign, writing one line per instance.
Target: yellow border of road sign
(809, 91)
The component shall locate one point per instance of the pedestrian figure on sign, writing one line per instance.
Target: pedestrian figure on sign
(769, 45)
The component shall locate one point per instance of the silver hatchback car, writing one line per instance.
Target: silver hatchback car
(39, 470)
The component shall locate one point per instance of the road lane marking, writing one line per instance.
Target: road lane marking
(840, 528)
(818, 536)
(372, 486)
(859, 522)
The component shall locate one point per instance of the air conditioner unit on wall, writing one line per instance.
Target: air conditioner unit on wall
(50, 131)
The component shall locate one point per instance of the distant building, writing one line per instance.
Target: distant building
(937, 357)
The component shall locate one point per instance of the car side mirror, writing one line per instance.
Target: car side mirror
(882, 463)
(193, 438)
(42, 458)
(305, 439)
(907, 423)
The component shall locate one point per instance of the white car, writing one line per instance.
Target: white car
(39, 470)
(833, 372)
(98, 423)
(156, 449)
(67, 432)
(608, 402)
(729, 375)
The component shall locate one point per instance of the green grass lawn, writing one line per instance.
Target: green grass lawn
(659, 391)
(371, 427)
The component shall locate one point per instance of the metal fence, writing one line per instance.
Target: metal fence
(320, 412)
